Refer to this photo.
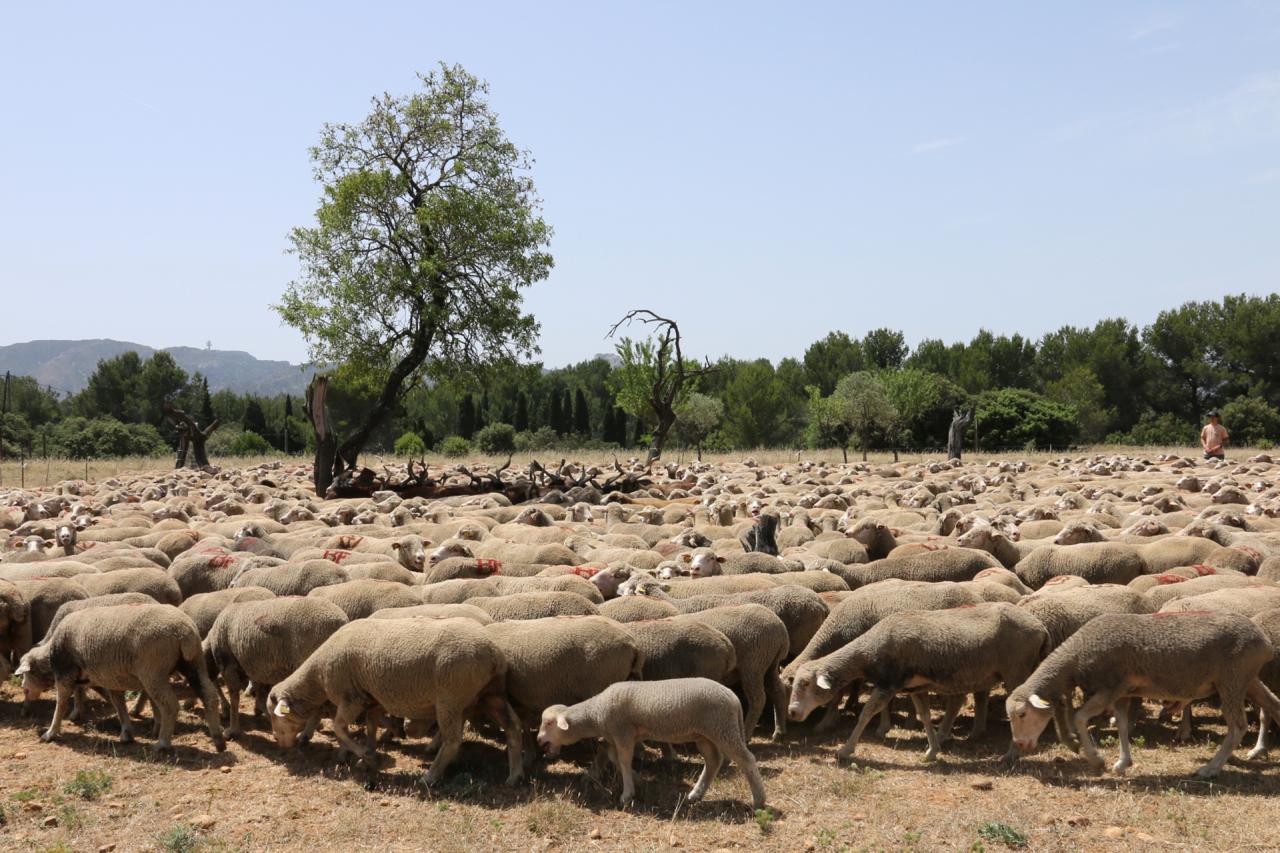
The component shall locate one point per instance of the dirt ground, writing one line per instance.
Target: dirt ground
(257, 797)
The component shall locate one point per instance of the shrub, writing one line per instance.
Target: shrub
(81, 438)
(88, 784)
(249, 444)
(454, 446)
(1161, 430)
(543, 438)
(1250, 421)
(410, 444)
(496, 438)
(1013, 417)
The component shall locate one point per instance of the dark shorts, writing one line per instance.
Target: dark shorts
(1218, 455)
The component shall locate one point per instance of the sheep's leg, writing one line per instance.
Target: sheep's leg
(164, 702)
(122, 711)
(1062, 725)
(309, 730)
(231, 675)
(1260, 747)
(139, 704)
(876, 702)
(1092, 707)
(740, 754)
(954, 704)
(514, 729)
(778, 697)
(344, 716)
(981, 701)
(1184, 725)
(830, 715)
(885, 723)
(78, 705)
(921, 703)
(450, 721)
(65, 690)
(1122, 732)
(713, 760)
(623, 750)
(1233, 712)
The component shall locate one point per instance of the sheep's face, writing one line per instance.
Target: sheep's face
(35, 544)
(36, 670)
(866, 534)
(608, 581)
(581, 513)
(980, 537)
(66, 535)
(250, 531)
(412, 552)
(670, 570)
(444, 552)
(556, 730)
(812, 689)
(1075, 534)
(533, 517)
(1028, 716)
(642, 584)
(287, 719)
(703, 565)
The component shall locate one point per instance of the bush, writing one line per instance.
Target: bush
(81, 438)
(248, 444)
(1250, 421)
(454, 446)
(1161, 430)
(544, 438)
(410, 444)
(1015, 418)
(496, 438)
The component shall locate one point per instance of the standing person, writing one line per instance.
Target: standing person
(1214, 438)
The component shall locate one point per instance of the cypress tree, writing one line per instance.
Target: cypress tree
(581, 414)
(467, 416)
(521, 421)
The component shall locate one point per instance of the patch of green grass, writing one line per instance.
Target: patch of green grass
(69, 817)
(89, 784)
(25, 794)
(57, 848)
(1002, 833)
(911, 839)
(764, 820)
(180, 838)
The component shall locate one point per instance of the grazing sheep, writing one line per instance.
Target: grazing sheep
(1096, 562)
(204, 607)
(1170, 656)
(967, 649)
(125, 647)
(361, 598)
(535, 605)
(264, 641)
(683, 710)
(416, 669)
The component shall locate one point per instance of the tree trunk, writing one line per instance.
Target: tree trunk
(328, 464)
(955, 436)
(191, 439)
(844, 448)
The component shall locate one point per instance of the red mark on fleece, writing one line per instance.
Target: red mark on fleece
(488, 567)
(335, 556)
(587, 572)
(929, 546)
(213, 549)
(81, 547)
(349, 541)
(221, 561)
(1201, 569)
(985, 572)
(1165, 613)
(1056, 579)
(1252, 552)
(1166, 579)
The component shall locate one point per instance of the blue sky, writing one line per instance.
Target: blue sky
(765, 173)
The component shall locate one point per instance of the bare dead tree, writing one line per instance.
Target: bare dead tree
(671, 373)
(329, 463)
(955, 436)
(191, 438)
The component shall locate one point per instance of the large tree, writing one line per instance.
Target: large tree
(428, 228)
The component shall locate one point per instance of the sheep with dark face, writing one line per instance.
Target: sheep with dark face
(1177, 657)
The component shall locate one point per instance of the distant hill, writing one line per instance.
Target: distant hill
(67, 365)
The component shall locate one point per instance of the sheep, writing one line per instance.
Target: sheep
(1175, 586)
(535, 605)
(152, 582)
(435, 611)
(673, 649)
(1246, 600)
(208, 569)
(760, 643)
(680, 710)
(292, 579)
(704, 562)
(108, 600)
(15, 626)
(562, 661)
(360, 598)
(204, 607)
(457, 591)
(1115, 656)
(461, 567)
(125, 647)
(1269, 622)
(263, 641)
(44, 597)
(876, 539)
(948, 564)
(637, 608)
(416, 669)
(1096, 562)
(952, 652)
(715, 585)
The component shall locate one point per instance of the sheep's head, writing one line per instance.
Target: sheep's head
(36, 670)
(1028, 716)
(609, 580)
(288, 717)
(866, 532)
(449, 549)
(642, 583)
(1078, 532)
(533, 517)
(703, 563)
(66, 535)
(557, 729)
(812, 688)
(412, 552)
(253, 530)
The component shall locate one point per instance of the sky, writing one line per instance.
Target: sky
(763, 173)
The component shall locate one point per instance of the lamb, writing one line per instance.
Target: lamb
(760, 643)
(562, 660)
(292, 579)
(416, 669)
(1180, 657)
(153, 582)
(535, 605)
(125, 647)
(1096, 562)
(948, 564)
(204, 607)
(681, 710)
(359, 599)
(264, 641)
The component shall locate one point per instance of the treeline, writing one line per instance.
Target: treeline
(1113, 382)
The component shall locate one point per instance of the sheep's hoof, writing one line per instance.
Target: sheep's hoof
(843, 757)
(48, 737)
(220, 744)
(1256, 753)
(233, 734)
(162, 749)
(694, 796)
(1120, 766)
(126, 737)
(930, 757)
(514, 779)
(1206, 772)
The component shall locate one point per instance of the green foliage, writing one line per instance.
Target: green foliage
(1015, 418)
(1158, 430)
(88, 784)
(1002, 833)
(248, 443)
(16, 434)
(1080, 389)
(410, 444)
(543, 438)
(1250, 421)
(885, 349)
(826, 360)
(496, 438)
(866, 405)
(764, 819)
(454, 446)
(924, 403)
(697, 417)
(100, 438)
(180, 838)
(759, 406)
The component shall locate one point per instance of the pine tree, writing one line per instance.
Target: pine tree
(581, 414)
(206, 403)
(255, 420)
(607, 428)
(521, 420)
(467, 416)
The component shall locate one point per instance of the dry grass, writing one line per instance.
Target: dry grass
(44, 472)
(255, 797)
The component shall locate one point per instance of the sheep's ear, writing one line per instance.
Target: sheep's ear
(426, 542)
(823, 681)
(686, 557)
(1037, 702)
(23, 668)
(562, 722)
(719, 559)
(283, 709)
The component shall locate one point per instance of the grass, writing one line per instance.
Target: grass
(180, 838)
(1002, 833)
(89, 784)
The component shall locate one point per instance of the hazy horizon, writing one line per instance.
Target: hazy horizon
(764, 176)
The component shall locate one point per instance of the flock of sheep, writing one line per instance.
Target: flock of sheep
(1081, 587)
